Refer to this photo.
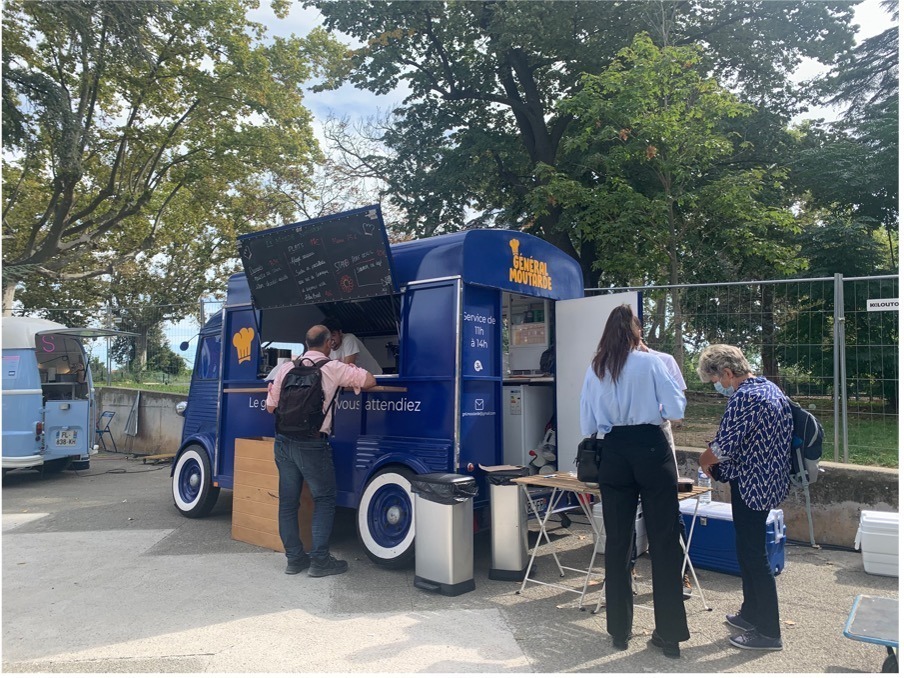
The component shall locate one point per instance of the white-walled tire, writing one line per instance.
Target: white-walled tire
(193, 491)
(386, 518)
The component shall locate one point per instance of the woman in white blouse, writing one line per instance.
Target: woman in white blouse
(627, 395)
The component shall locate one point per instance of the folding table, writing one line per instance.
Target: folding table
(562, 483)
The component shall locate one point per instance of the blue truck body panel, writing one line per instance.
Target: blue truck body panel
(448, 417)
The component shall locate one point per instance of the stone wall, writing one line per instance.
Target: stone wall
(836, 500)
(159, 427)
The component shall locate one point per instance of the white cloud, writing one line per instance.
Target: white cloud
(345, 102)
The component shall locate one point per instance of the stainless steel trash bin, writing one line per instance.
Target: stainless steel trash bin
(508, 525)
(444, 532)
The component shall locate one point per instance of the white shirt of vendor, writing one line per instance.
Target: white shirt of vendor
(671, 366)
(350, 346)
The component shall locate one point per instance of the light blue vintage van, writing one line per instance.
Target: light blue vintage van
(48, 395)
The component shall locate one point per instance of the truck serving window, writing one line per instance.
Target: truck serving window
(209, 358)
(374, 321)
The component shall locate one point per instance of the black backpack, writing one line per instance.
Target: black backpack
(806, 437)
(299, 412)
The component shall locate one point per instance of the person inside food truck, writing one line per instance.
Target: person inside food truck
(348, 348)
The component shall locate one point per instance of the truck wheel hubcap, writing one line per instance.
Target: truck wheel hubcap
(393, 515)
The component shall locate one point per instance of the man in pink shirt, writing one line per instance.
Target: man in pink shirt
(310, 460)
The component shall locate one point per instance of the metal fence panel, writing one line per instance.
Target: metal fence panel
(871, 341)
(787, 330)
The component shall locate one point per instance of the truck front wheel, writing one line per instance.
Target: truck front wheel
(193, 490)
(386, 518)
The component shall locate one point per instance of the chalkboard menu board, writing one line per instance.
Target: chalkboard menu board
(336, 258)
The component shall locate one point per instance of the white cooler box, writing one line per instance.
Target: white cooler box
(877, 538)
(640, 529)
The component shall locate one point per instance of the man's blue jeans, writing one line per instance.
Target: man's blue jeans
(311, 462)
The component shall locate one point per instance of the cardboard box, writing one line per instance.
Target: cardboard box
(255, 497)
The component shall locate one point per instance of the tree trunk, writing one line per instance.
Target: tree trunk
(674, 277)
(656, 335)
(9, 296)
(141, 350)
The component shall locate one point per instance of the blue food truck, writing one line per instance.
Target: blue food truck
(458, 323)
(48, 395)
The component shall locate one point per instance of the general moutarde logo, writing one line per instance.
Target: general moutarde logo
(527, 270)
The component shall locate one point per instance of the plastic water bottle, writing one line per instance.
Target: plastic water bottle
(703, 480)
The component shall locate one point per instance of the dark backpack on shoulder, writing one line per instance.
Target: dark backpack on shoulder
(299, 412)
(806, 445)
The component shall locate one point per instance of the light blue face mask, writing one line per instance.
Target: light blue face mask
(727, 391)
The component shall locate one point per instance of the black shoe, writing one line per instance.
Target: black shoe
(296, 566)
(621, 643)
(739, 622)
(324, 567)
(670, 650)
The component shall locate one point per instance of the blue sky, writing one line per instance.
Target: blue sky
(347, 101)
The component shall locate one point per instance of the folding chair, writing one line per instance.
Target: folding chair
(802, 481)
(103, 427)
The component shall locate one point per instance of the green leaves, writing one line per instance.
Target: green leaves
(122, 115)
(493, 89)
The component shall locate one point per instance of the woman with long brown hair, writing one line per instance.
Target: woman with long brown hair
(627, 395)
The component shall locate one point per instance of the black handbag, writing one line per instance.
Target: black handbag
(588, 460)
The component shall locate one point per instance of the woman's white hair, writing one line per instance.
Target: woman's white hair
(717, 357)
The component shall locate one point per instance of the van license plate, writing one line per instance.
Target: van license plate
(66, 438)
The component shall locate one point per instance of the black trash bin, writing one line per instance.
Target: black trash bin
(508, 525)
(444, 532)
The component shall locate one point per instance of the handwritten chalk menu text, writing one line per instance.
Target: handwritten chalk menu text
(336, 258)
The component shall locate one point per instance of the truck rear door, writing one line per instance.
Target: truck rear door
(579, 326)
(68, 388)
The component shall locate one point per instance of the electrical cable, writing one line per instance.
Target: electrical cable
(119, 471)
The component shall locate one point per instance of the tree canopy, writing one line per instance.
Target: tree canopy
(133, 127)
(481, 119)
(849, 168)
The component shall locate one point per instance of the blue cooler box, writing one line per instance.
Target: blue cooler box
(713, 544)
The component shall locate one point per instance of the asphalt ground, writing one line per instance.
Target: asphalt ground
(102, 574)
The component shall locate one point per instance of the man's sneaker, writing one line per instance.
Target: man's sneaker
(688, 589)
(739, 622)
(296, 566)
(753, 640)
(324, 567)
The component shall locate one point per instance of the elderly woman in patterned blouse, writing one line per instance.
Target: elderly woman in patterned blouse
(752, 452)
